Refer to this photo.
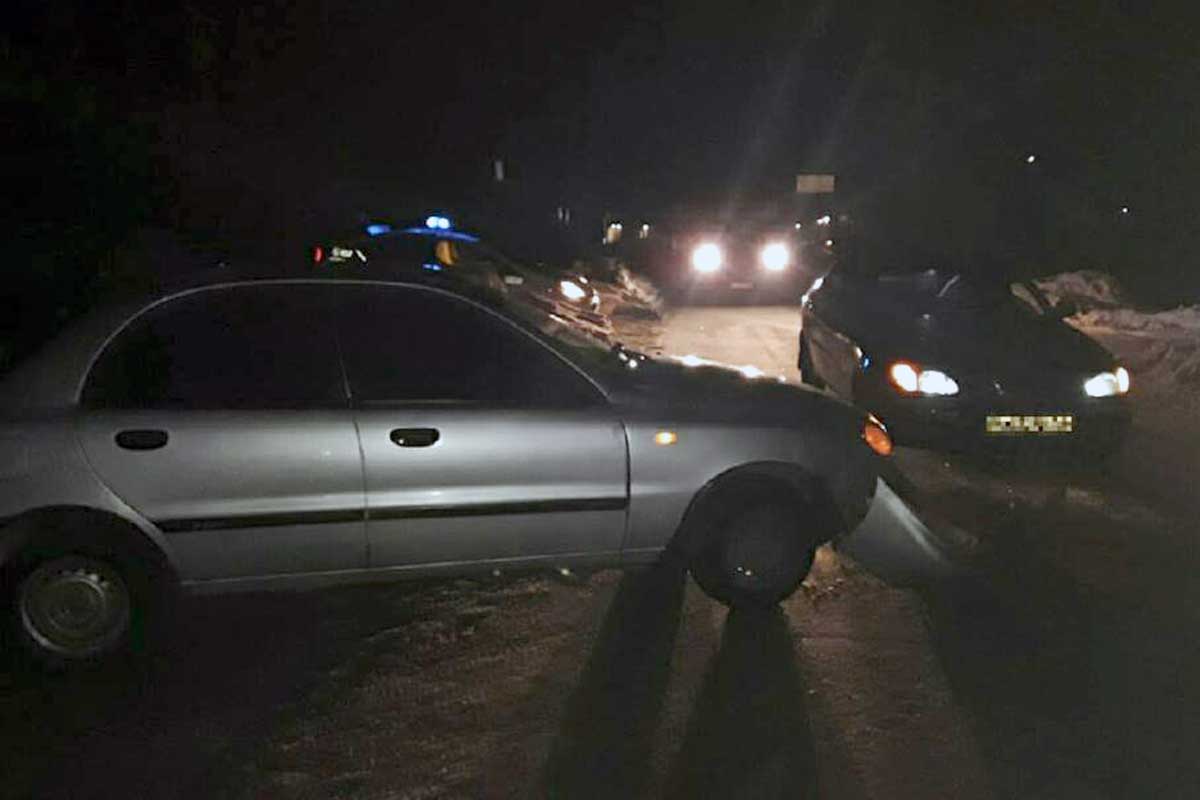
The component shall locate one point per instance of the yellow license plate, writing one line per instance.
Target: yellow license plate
(1019, 424)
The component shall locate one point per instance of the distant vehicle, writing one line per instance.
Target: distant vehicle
(953, 362)
(295, 433)
(436, 253)
(767, 262)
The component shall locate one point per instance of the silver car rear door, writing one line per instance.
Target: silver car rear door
(221, 415)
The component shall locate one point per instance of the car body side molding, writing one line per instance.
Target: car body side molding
(398, 512)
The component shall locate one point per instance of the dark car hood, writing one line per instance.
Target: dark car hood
(1003, 341)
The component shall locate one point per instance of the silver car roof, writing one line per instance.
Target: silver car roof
(52, 378)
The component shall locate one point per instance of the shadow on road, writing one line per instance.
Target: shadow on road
(181, 721)
(1077, 660)
(749, 735)
(605, 742)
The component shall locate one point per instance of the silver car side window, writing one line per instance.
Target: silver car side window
(241, 347)
(407, 345)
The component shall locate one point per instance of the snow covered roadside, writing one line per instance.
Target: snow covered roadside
(1162, 351)
(1161, 348)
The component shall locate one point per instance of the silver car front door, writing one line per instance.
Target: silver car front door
(222, 417)
(480, 443)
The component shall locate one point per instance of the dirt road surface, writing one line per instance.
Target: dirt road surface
(1064, 665)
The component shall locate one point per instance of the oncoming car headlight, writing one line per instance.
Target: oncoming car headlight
(911, 379)
(707, 257)
(571, 290)
(1108, 384)
(775, 256)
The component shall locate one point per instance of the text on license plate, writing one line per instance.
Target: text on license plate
(1021, 424)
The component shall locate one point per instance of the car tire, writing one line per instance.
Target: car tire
(73, 603)
(808, 373)
(756, 557)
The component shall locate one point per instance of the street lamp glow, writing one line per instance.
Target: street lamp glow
(1029, 159)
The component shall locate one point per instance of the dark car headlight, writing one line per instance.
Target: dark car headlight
(1108, 384)
(572, 291)
(775, 257)
(909, 378)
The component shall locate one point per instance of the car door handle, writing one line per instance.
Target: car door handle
(141, 439)
(415, 437)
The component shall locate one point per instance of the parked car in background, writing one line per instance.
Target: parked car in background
(435, 252)
(303, 432)
(956, 362)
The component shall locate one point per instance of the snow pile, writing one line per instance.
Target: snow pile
(637, 294)
(1161, 348)
(1087, 289)
(1170, 362)
(1183, 322)
(747, 370)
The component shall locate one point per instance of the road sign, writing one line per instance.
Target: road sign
(815, 184)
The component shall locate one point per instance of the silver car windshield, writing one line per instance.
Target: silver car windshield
(590, 352)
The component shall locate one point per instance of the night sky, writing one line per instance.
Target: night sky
(278, 116)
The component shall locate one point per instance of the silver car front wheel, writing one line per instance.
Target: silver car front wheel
(74, 607)
(757, 559)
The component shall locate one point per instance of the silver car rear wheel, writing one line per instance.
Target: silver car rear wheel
(74, 607)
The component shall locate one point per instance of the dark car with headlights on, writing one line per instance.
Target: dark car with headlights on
(767, 262)
(954, 362)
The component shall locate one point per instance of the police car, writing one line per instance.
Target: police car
(434, 251)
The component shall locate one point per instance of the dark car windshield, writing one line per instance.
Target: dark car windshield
(973, 293)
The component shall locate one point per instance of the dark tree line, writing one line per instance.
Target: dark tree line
(144, 138)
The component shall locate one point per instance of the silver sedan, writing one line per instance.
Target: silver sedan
(264, 434)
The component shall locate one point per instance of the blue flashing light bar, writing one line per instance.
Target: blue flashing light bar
(378, 229)
(432, 267)
(442, 233)
(437, 223)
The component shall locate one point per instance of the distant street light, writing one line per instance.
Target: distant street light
(1029, 159)
(1124, 209)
